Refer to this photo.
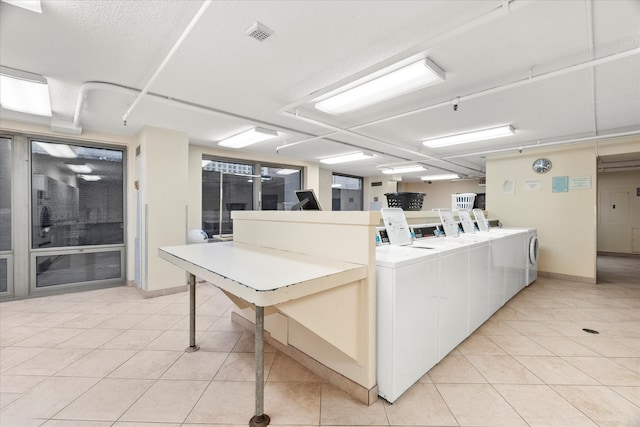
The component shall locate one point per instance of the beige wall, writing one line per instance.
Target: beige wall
(324, 189)
(566, 222)
(163, 185)
(619, 227)
(438, 193)
(389, 185)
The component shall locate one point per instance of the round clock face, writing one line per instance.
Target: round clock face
(542, 165)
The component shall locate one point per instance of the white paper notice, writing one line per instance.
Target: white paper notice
(508, 186)
(532, 184)
(579, 182)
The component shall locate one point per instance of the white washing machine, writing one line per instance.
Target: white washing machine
(532, 255)
(407, 282)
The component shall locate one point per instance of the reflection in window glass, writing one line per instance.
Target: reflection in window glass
(77, 268)
(77, 195)
(346, 193)
(237, 194)
(278, 187)
(5, 194)
(4, 275)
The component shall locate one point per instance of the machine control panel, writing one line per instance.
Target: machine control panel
(425, 231)
(382, 238)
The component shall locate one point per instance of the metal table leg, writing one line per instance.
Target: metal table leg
(260, 419)
(192, 315)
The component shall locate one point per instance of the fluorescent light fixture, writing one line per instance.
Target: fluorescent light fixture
(440, 177)
(248, 137)
(90, 177)
(403, 169)
(24, 92)
(32, 5)
(287, 171)
(205, 163)
(351, 157)
(477, 135)
(336, 185)
(395, 83)
(80, 168)
(58, 150)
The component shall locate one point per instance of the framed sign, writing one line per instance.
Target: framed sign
(560, 184)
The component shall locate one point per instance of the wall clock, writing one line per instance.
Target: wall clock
(542, 166)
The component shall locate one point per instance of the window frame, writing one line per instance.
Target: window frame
(360, 178)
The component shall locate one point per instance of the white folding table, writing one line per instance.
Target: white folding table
(262, 277)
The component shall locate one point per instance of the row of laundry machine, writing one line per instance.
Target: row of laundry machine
(436, 284)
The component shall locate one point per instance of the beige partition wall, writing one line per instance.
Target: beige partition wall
(337, 327)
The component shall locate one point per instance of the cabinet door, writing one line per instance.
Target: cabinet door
(478, 286)
(415, 322)
(454, 301)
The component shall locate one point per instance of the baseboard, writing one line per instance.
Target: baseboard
(162, 292)
(619, 254)
(568, 277)
(364, 395)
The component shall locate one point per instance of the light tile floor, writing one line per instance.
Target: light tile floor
(110, 358)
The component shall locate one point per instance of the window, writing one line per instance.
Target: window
(5, 212)
(235, 193)
(76, 195)
(77, 201)
(278, 187)
(241, 183)
(346, 193)
(5, 194)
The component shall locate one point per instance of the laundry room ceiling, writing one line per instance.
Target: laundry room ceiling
(555, 72)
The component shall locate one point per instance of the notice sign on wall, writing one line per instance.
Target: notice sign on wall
(532, 184)
(579, 182)
(560, 184)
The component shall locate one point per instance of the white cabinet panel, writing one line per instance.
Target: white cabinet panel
(454, 301)
(479, 281)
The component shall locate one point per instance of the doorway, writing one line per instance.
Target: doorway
(618, 244)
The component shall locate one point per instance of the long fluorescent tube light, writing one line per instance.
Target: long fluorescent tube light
(351, 157)
(248, 137)
(287, 171)
(58, 150)
(91, 177)
(440, 177)
(404, 169)
(32, 5)
(395, 83)
(80, 168)
(24, 92)
(463, 138)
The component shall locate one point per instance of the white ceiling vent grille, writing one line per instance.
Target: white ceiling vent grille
(259, 31)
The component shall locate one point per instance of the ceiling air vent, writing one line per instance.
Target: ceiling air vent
(259, 31)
